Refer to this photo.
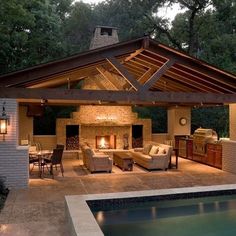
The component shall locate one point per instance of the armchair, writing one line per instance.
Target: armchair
(96, 161)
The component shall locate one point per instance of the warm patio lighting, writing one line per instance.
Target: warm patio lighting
(4, 121)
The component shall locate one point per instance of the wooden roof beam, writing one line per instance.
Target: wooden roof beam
(157, 75)
(108, 76)
(118, 96)
(124, 72)
(132, 55)
(192, 63)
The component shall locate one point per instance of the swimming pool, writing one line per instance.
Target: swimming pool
(197, 216)
(204, 210)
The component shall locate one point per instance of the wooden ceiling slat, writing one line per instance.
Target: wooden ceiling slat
(220, 82)
(108, 76)
(167, 87)
(133, 71)
(139, 67)
(157, 57)
(138, 70)
(179, 86)
(195, 78)
(149, 60)
(190, 82)
(141, 62)
(182, 83)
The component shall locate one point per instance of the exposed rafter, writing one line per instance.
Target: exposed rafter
(157, 75)
(124, 72)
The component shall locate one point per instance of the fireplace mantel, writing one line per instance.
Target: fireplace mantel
(106, 124)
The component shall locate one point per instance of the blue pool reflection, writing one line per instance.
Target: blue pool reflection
(197, 216)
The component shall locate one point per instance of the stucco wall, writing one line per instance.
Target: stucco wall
(47, 142)
(26, 125)
(232, 121)
(174, 127)
(13, 158)
(160, 138)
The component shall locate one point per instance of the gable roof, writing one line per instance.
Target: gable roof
(142, 61)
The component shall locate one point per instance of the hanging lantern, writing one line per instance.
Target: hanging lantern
(4, 121)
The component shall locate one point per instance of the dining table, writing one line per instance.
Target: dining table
(41, 156)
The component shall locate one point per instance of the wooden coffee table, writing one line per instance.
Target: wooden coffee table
(124, 160)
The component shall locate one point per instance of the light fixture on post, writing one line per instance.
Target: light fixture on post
(4, 121)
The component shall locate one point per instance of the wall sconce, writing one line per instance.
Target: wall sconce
(4, 122)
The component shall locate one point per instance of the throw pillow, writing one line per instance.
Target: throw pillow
(161, 150)
(147, 149)
(154, 150)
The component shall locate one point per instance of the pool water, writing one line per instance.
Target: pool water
(196, 216)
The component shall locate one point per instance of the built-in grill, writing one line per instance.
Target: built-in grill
(200, 138)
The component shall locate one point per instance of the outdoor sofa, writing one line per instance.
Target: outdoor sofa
(153, 156)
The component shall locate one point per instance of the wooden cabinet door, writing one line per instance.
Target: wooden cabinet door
(218, 157)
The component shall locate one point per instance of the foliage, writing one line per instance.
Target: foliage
(46, 124)
(216, 118)
(3, 192)
(37, 31)
(158, 116)
(30, 33)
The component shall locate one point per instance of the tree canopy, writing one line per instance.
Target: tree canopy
(38, 31)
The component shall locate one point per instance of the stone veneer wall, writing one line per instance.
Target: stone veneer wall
(103, 120)
(100, 40)
(229, 156)
(13, 158)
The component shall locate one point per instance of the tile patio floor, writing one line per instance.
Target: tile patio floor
(40, 209)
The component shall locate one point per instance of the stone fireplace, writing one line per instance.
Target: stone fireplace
(105, 126)
(112, 123)
(106, 142)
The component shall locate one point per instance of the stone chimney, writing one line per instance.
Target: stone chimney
(104, 36)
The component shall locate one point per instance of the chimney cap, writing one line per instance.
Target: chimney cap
(106, 27)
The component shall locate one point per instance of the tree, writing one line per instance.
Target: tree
(78, 27)
(30, 33)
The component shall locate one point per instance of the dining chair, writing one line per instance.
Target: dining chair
(33, 159)
(55, 160)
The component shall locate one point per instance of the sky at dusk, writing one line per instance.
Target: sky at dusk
(169, 12)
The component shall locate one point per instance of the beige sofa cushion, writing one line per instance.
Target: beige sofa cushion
(154, 150)
(147, 149)
(161, 150)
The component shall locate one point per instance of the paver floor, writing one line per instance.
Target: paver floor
(40, 209)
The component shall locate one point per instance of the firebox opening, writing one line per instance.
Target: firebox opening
(137, 136)
(72, 137)
(106, 142)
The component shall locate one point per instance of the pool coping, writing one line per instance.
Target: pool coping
(81, 221)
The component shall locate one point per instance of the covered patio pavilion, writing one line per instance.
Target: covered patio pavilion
(137, 72)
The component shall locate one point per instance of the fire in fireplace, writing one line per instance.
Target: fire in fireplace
(106, 142)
